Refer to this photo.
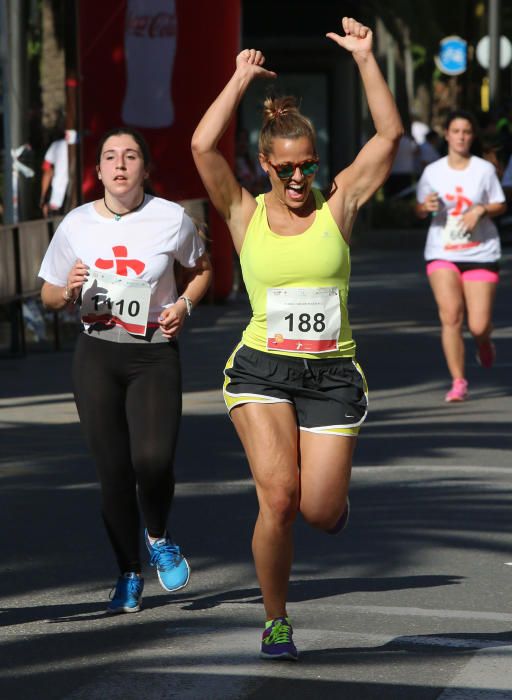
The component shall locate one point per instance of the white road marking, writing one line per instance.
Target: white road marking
(426, 612)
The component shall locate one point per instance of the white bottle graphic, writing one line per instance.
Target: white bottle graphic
(150, 48)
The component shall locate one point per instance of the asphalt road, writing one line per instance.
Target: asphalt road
(412, 602)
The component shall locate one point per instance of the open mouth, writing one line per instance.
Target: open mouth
(295, 191)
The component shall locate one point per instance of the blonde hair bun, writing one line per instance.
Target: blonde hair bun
(282, 118)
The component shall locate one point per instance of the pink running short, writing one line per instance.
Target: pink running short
(478, 275)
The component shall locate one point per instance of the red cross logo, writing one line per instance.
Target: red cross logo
(460, 201)
(120, 262)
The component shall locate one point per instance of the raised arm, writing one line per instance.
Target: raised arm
(359, 181)
(225, 192)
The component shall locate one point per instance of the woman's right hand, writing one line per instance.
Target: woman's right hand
(76, 277)
(250, 62)
(358, 38)
(431, 203)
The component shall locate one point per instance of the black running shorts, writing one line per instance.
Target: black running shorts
(330, 396)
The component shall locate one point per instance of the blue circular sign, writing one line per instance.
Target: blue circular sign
(453, 53)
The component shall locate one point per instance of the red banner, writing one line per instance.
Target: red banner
(156, 65)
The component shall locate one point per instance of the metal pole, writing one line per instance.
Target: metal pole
(409, 68)
(390, 63)
(11, 55)
(5, 53)
(494, 56)
(72, 110)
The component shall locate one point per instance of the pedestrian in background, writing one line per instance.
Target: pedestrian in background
(116, 256)
(296, 394)
(54, 179)
(400, 182)
(428, 151)
(248, 172)
(462, 194)
(419, 129)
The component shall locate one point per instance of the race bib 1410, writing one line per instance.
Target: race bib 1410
(114, 299)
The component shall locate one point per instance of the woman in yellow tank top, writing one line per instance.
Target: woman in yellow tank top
(295, 393)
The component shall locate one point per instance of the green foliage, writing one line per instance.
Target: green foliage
(34, 48)
(419, 55)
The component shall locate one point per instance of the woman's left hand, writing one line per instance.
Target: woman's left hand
(471, 218)
(172, 318)
(358, 38)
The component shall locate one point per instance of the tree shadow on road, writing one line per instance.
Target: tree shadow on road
(318, 588)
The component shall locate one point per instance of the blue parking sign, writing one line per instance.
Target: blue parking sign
(452, 58)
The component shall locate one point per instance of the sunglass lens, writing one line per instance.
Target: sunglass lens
(309, 168)
(285, 171)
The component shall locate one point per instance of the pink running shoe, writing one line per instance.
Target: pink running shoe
(458, 392)
(486, 354)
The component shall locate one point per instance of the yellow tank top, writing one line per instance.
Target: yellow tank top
(317, 258)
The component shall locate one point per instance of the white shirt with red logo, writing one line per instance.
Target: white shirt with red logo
(142, 245)
(459, 190)
(56, 157)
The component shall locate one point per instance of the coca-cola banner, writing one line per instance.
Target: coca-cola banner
(149, 53)
(156, 65)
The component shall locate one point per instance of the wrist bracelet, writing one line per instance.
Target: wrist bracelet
(68, 295)
(188, 304)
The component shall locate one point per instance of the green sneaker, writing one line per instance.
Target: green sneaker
(277, 642)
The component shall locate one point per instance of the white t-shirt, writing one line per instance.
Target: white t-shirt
(419, 130)
(57, 156)
(142, 245)
(458, 191)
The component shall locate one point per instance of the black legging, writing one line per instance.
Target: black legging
(128, 397)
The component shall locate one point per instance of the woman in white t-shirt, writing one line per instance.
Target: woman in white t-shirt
(116, 256)
(54, 178)
(462, 194)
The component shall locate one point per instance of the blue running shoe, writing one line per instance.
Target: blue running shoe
(171, 566)
(127, 594)
(277, 642)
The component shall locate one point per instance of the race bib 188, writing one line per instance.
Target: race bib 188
(114, 299)
(303, 319)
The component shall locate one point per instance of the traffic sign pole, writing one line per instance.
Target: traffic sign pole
(494, 62)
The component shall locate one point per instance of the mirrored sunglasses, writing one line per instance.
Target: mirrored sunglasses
(285, 171)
